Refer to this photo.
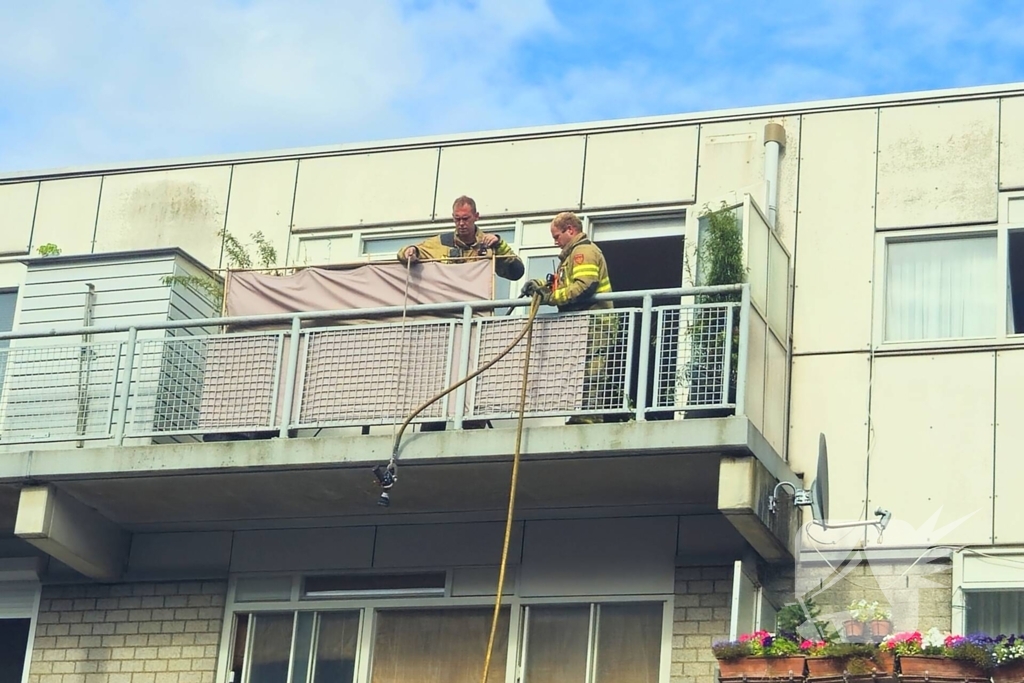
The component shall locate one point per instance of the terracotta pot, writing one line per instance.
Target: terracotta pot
(880, 627)
(762, 668)
(928, 668)
(1011, 672)
(851, 668)
(853, 628)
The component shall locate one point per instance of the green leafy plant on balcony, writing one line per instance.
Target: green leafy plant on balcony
(238, 257)
(48, 249)
(719, 262)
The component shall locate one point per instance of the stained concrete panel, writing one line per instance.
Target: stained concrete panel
(445, 545)
(364, 189)
(835, 242)
(654, 166)
(17, 211)
(182, 208)
(515, 177)
(938, 164)
(931, 456)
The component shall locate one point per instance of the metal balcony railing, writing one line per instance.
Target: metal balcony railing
(177, 380)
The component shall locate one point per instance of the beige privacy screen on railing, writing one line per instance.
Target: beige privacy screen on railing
(368, 286)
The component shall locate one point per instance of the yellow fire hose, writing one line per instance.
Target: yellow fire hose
(387, 476)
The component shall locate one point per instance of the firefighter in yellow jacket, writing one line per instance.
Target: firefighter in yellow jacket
(582, 273)
(466, 243)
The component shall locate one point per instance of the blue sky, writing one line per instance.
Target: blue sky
(97, 82)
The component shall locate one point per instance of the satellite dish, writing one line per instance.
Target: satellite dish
(819, 490)
(817, 498)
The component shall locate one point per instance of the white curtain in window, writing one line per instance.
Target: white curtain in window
(940, 289)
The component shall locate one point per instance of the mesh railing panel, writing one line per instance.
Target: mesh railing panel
(53, 393)
(579, 363)
(690, 357)
(208, 383)
(375, 374)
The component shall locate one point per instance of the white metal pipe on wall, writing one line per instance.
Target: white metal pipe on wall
(774, 142)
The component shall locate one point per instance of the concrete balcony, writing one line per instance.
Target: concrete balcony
(116, 431)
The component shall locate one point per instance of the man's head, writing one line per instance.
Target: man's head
(564, 227)
(465, 217)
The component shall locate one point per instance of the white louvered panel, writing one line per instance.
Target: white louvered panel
(18, 599)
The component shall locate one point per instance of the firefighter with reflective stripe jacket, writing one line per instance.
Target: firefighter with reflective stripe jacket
(466, 243)
(581, 274)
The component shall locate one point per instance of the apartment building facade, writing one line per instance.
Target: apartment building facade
(141, 540)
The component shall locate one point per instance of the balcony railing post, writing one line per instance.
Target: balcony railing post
(727, 356)
(467, 337)
(295, 338)
(643, 375)
(743, 352)
(126, 387)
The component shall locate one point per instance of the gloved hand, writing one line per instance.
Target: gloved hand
(532, 287)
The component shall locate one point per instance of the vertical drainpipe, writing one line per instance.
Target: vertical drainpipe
(774, 142)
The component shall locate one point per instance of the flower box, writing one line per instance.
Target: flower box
(1010, 672)
(762, 668)
(853, 628)
(880, 668)
(932, 668)
(879, 628)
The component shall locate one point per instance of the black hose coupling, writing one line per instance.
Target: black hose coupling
(386, 476)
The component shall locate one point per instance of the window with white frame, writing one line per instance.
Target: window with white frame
(940, 288)
(994, 611)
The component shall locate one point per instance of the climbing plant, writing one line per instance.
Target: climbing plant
(237, 255)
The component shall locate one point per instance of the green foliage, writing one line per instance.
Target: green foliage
(720, 253)
(237, 257)
(48, 249)
(801, 618)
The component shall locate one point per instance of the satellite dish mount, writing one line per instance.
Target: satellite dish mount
(817, 498)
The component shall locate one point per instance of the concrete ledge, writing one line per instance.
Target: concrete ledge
(724, 435)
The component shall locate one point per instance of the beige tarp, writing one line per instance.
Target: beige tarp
(369, 286)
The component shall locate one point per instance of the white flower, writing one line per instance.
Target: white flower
(934, 638)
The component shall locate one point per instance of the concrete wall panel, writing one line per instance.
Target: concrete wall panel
(641, 167)
(302, 549)
(1009, 436)
(443, 545)
(173, 555)
(732, 161)
(358, 189)
(830, 397)
(513, 177)
(1011, 143)
(182, 208)
(261, 200)
(937, 164)
(933, 447)
(17, 211)
(66, 215)
(835, 240)
(599, 557)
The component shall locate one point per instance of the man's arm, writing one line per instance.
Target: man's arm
(428, 249)
(508, 264)
(586, 269)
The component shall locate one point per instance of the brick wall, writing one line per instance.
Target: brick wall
(702, 611)
(919, 595)
(128, 633)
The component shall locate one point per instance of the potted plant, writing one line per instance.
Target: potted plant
(720, 261)
(759, 656)
(868, 620)
(1008, 653)
(934, 657)
(849, 661)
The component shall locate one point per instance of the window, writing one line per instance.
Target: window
(994, 611)
(1015, 281)
(8, 304)
(317, 646)
(438, 646)
(617, 642)
(940, 288)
